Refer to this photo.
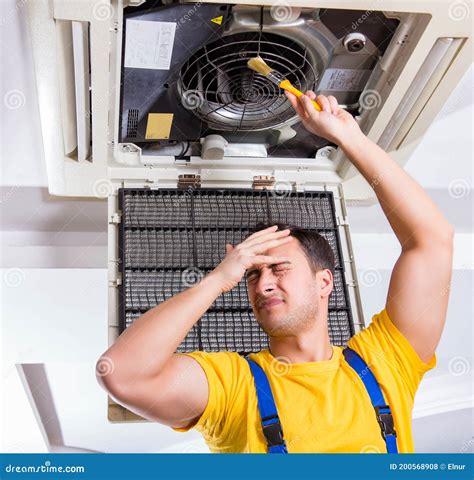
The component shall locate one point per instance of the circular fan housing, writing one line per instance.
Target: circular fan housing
(216, 84)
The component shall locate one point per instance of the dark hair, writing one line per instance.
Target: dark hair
(316, 248)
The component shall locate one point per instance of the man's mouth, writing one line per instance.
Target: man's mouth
(272, 302)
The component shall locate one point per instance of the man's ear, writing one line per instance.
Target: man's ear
(326, 282)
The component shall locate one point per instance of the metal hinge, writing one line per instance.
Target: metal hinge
(189, 180)
(117, 282)
(115, 218)
(341, 221)
(261, 182)
(300, 186)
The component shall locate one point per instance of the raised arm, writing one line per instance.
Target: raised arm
(419, 286)
(141, 369)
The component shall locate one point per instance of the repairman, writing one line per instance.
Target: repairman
(302, 394)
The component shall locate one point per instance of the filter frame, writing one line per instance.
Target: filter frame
(199, 216)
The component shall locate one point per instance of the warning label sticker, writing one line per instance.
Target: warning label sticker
(149, 44)
(344, 79)
(217, 20)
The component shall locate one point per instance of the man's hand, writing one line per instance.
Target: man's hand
(238, 259)
(333, 123)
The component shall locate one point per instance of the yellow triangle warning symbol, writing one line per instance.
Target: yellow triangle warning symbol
(217, 20)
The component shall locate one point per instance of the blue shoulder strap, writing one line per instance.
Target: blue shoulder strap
(268, 412)
(269, 416)
(382, 410)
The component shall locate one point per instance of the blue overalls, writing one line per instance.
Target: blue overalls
(269, 416)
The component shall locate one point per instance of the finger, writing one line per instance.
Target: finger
(266, 237)
(264, 246)
(228, 248)
(259, 259)
(310, 109)
(324, 102)
(334, 105)
(262, 232)
(295, 104)
(314, 99)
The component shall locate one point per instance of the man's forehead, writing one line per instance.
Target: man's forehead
(291, 250)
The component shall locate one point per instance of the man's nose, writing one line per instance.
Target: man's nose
(266, 283)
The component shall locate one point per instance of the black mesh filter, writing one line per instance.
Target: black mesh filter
(169, 239)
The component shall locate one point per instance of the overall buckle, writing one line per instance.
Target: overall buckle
(385, 420)
(273, 431)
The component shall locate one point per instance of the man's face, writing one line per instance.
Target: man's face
(286, 297)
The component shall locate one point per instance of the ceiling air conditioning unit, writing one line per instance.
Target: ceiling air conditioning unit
(151, 105)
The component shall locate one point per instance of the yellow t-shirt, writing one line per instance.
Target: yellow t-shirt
(323, 406)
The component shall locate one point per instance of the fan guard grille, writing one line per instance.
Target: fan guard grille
(216, 84)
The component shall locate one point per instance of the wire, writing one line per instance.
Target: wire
(184, 150)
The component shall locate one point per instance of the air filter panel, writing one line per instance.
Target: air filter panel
(169, 239)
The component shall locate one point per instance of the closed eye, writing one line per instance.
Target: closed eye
(276, 268)
(252, 276)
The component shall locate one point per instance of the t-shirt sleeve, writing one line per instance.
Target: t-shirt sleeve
(222, 371)
(382, 342)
